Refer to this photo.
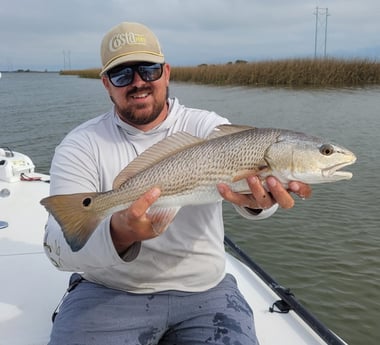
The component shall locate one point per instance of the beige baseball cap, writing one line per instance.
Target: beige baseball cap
(129, 42)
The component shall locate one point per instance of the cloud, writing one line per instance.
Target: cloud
(35, 34)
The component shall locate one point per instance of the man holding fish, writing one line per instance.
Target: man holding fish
(150, 273)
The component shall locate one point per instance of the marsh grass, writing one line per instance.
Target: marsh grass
(297, 73)
(83, 73)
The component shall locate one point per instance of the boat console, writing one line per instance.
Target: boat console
(13, 165)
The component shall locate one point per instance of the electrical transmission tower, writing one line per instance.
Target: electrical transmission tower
(320, 43)
(66, 60)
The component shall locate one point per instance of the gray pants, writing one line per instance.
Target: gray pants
(92, 314)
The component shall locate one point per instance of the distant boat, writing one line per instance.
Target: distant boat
(0, 75)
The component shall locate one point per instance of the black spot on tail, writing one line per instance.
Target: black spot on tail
(87, 202)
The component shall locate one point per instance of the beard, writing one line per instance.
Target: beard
(140, 114)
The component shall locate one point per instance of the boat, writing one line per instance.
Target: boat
(31, 287)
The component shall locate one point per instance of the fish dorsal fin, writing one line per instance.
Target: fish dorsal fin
(167, 147)
(223, 130)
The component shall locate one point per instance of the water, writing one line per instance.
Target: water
(326, 249)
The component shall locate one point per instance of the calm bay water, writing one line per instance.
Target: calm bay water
(326, 249)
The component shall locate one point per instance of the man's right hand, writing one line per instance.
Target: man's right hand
(134, 224)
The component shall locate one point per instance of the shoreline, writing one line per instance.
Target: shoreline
(295, 73)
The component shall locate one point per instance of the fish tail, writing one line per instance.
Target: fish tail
(76, 216)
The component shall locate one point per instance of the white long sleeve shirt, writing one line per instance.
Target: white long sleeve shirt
(188, 256)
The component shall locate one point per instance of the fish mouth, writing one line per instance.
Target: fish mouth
(335, 172)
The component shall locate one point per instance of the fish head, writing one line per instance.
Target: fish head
(299, 157)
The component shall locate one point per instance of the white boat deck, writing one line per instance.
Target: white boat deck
(31, 286)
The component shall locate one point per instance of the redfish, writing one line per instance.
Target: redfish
(187, 169)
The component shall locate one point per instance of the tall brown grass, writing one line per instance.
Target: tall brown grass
(93, 73)
(279, 73)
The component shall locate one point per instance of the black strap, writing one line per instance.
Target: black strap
(75, 279)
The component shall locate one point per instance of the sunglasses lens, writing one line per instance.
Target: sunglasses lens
(123, 76)
(150, 73)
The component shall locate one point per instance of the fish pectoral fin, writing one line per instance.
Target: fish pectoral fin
(73, 212)
(162, 217)
(243, 174)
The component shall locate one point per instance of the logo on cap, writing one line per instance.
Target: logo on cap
(126, 38)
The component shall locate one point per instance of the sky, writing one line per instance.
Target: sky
(59, 34)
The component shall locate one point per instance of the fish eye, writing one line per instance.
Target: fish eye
(326, 149)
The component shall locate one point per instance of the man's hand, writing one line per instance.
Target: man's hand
(263, 199)
(134, 224)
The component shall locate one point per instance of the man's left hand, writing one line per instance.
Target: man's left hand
(264, 199)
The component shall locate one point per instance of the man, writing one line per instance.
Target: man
(141, 284)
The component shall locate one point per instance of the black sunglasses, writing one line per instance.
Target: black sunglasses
(121, 76)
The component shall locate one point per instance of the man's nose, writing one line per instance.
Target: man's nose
(137, 80)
